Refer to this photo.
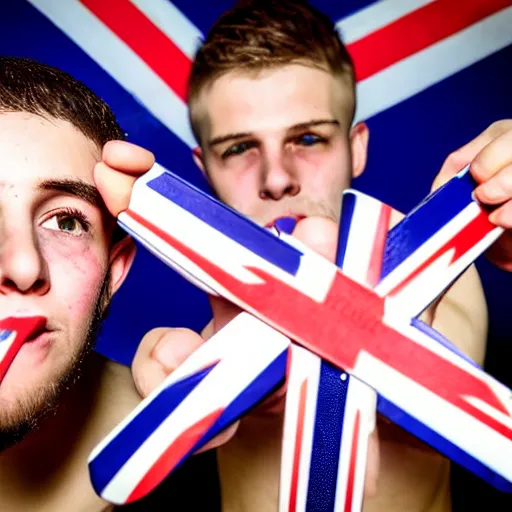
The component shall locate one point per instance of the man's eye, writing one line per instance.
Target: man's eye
(308, 139)
(73, 223)
(238, 149)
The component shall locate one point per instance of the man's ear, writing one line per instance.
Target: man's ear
(359, 135)
(121, 259)
(197, 155)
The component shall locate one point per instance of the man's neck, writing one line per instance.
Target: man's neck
(48, 469)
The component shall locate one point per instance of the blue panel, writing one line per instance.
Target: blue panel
(330, 412)
(229, 221)
(115, 454)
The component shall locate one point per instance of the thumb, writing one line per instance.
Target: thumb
(320, 234)
(121, 164)
(159, 353)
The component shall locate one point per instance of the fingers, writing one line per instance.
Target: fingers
(115, 175)
(503, 217)
(493, 157)
(128, 158)
(467, 153)
(159, 353)
(115, 187)
(498, 188)
(460, 158)
(319, 234)
(500, 253)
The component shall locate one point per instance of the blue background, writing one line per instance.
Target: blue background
(407, 147)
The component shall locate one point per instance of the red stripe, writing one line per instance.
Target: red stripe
(375, 266)
(146, 40)
(172, 456)
(351, 313)
(24, 327)
(460, 244)
(416, 31)
(298, 446)
(349, 496)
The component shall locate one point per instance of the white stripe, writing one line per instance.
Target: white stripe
(433, 64)
(304, 366)
(123, 64)
(419, 256)
(249, 347)
(435, 278)
(173, 23)
(362, 237)
(363, 398)
(492, 449)
(223, 251)
(375, 16)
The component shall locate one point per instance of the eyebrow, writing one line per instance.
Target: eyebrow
(301, 126)
(75, 187)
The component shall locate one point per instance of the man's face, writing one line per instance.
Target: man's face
(278, 143)
(54, 252)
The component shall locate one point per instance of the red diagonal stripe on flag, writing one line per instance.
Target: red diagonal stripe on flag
(146, 40)
(416, 31)
(301, 412)
(373, 53)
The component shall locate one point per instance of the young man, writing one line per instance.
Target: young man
(272, 98)
(60, 257)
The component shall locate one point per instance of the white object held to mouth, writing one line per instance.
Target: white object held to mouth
(14, 332)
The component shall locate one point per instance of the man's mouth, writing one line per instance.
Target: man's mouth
(14, 333)
(290, 217)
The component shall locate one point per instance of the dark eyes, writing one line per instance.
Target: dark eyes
(238, 149)
(306, 139)
(69, 220)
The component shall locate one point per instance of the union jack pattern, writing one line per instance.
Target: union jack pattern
(230, 374)
(14, 331)
(121, 35)
(433, 392)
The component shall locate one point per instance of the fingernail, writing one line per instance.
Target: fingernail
(286, 224)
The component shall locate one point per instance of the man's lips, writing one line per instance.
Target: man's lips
(285, 223)
(15, 331)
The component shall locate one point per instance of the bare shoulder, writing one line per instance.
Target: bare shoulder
(461, 315)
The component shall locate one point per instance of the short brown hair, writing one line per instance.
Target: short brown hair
(30, 86)
(261, 34)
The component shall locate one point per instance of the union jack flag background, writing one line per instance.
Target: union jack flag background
(432, 74)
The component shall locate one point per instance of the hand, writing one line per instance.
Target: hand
(490, 156)
(249, 451)
(122, 163)
(162, 350)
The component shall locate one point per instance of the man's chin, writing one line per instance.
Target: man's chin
(24, 409)
(22, 416)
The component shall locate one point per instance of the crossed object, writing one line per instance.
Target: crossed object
(346, 338)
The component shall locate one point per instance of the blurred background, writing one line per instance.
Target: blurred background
(432, 74)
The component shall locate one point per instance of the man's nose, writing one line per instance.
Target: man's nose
(22, 266)
(279, 178)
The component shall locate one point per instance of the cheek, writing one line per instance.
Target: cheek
(238, 185)
(327, 172)
(76, 274)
